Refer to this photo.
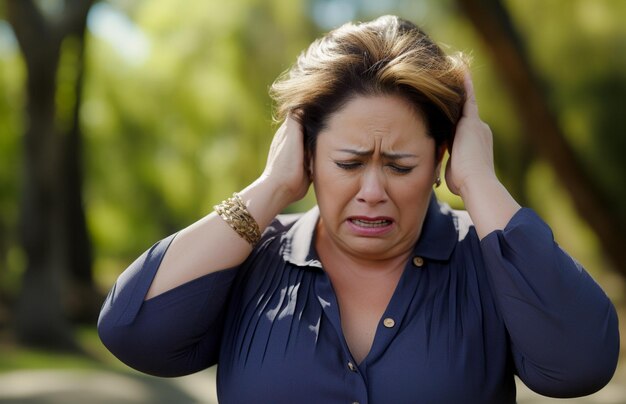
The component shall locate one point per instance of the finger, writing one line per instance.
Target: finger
(470, 108)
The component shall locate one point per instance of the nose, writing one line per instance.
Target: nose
(372, 189)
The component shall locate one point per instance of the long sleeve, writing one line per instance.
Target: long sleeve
(563, 328)
(173, 334)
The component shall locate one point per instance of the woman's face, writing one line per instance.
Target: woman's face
(373, 172)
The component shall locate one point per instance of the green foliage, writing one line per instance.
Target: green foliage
(67, 76)
(181, 130)
(582, 59)
(11, 112)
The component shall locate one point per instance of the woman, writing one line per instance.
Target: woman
(379, 294)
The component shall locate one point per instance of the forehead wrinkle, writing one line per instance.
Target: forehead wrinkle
(366, 128)
(387, 155)
(391, 154)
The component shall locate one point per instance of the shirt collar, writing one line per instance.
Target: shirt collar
(299, 246)
(437, 241)
(439, 232)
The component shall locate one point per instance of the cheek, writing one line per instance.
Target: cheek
(333, 190)
(415, 191)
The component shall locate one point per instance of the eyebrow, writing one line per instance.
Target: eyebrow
(366, 153)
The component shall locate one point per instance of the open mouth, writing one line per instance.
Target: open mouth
(371, 223)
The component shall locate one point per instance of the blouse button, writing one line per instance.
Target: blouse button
(418, 261)
(389, 322)
(352, 367)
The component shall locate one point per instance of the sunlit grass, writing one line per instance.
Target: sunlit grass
(96, 357)
(17, 358)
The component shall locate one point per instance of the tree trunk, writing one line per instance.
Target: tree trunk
(40, 317)
(83, 299)
(494, 25)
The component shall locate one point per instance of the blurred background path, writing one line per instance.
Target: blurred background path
(107, 387)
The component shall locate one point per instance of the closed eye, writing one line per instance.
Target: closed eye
(348, 165)
(400, 169)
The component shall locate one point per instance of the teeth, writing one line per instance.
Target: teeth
(370, 223)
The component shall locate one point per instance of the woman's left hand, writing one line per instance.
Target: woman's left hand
(471, 155)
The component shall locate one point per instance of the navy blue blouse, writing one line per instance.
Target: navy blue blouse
(465, 317)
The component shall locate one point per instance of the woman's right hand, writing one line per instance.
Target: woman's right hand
(286, 167)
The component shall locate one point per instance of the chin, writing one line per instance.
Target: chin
(374, 249)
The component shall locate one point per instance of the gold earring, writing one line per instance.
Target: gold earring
(438, 182)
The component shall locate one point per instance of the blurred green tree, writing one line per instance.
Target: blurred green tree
(592, 189)
(189, 122)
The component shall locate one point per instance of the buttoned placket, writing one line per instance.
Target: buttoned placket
(395, 312)
(354, 376)
(387, 328)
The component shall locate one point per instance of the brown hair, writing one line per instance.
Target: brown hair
(386, 56)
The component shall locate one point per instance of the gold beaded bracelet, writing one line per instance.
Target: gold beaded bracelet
(235, 213)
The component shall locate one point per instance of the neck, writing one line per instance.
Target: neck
(333, 255)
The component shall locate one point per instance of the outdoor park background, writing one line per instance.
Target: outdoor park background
(123, 121)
